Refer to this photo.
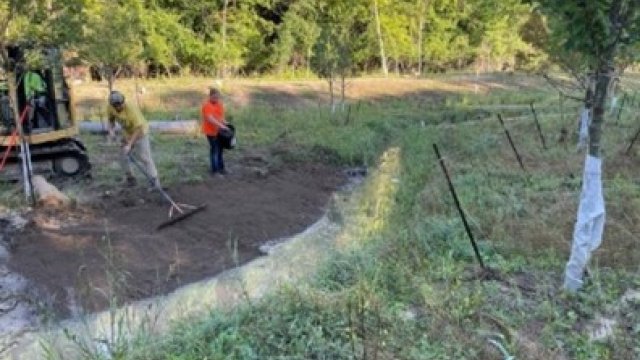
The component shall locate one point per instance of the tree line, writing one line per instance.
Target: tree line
(252, 37)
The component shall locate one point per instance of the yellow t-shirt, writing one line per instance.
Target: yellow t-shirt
(130, 118)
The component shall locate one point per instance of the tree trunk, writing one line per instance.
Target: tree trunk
(110, 82)
(224, 37)
(13, 96)
(383, 58)
(309, 62)
(224, 23)
(421, 8)
(599, 100)
(331, 97)
(420, 29)
(137, 89)
(343, 87)
(26, 163)
(108, 72)
(589, 226)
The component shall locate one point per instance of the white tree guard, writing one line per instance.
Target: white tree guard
(587, 234)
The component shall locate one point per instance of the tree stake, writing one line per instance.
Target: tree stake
(513, 146)
(535, 118)
(457, 202)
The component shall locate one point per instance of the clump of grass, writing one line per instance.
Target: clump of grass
(114, 337)
(10, 195)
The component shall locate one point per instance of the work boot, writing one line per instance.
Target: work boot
(130, 180)
(154, 184)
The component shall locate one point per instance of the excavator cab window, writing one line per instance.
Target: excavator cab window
(37, 87)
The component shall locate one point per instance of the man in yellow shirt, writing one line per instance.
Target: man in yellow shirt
(135, 141)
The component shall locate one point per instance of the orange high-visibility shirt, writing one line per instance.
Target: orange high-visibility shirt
(217, 111)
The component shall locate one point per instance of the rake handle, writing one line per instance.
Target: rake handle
(153, 183)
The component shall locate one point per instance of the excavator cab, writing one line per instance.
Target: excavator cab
(45, 105)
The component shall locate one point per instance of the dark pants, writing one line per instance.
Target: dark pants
(215, 154)
(40, 115)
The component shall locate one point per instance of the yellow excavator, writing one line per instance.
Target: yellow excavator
(46, 111)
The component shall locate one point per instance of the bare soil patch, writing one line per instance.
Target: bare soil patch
(86, 256)
(183, 96)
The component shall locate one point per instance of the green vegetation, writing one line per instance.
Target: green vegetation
(298, 37)
(412, 289)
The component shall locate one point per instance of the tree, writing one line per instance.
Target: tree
(383, 57)
(420, 9)
(160, 29)
(223, 30)
(169, 43)
(598, 34)
(446, 40)
(111, 37)
(342, 34)
(495, 23)
(395, 18)
(250, 35)
(296, 36)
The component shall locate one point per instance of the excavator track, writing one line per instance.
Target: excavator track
(63, 158)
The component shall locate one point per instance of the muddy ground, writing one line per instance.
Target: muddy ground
(108, 249)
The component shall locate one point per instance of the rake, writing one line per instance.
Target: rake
(177, 211)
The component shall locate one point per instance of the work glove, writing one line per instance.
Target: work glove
(126, 146)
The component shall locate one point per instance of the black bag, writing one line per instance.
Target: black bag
(227, 137)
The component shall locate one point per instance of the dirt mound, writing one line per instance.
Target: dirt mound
(110, 249)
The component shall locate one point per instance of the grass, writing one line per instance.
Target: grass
(413, 290)
(10, 195)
